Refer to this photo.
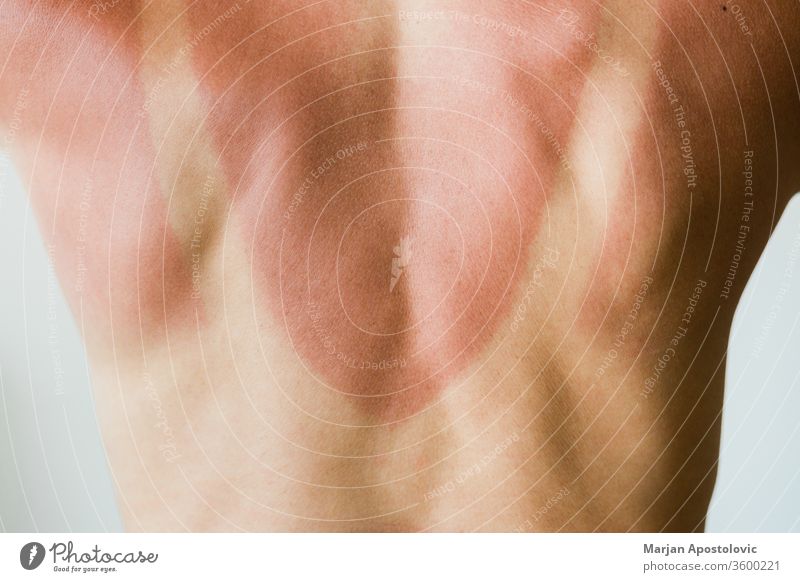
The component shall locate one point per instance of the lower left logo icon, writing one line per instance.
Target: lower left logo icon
(31, 555)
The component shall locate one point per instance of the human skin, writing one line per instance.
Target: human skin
(405, 266)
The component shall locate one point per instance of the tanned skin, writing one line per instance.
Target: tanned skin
(405, 266)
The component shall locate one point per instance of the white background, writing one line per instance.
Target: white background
(398, 557)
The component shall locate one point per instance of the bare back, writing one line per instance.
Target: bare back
(380, 266)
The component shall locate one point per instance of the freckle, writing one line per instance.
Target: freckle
(724, 8)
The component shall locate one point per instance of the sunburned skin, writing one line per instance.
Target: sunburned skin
(395, 266)
(360, 164)
(331, 188)
(391, 281)
(104, 211)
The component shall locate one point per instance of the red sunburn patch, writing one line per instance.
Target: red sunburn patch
(388, 197)
(391, 261)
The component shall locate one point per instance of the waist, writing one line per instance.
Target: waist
(219, 433)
